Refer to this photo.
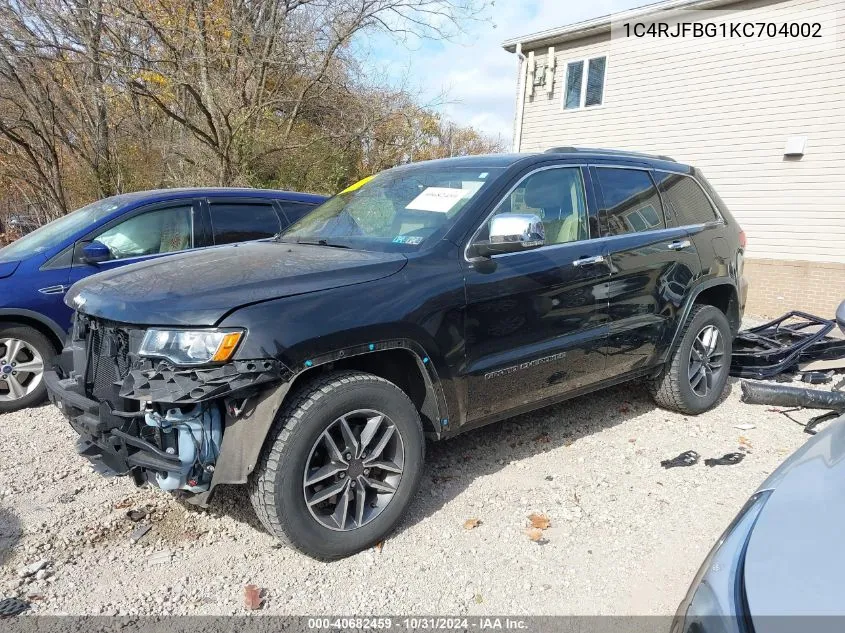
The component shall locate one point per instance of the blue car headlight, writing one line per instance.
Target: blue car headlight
(715, 602)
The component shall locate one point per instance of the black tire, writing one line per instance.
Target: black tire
(276, 486)
(45, 348)
(672, 389)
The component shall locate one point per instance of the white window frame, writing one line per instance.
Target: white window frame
(583, 96)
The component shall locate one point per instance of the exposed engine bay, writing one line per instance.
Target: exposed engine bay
(194, 436)
(161, 424)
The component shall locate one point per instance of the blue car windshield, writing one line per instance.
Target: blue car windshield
(397, 210)
(51, 235)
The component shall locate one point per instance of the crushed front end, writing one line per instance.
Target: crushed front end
(159, 421)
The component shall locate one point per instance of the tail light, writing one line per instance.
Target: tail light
(742, 239)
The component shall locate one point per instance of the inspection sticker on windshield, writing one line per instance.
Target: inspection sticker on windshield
(437, 199)
(408, 239)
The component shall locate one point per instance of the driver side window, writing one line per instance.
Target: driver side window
(557, 197)
(161, 231)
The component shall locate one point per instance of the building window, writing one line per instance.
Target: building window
(584, 89)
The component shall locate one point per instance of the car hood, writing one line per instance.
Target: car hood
(199, 288)
(795, 559)
(7, 269)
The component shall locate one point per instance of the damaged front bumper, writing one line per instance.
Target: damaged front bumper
(168, 426)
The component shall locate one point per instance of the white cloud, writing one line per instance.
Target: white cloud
(476, 74)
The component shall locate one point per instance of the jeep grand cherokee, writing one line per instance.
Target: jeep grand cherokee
(430, 299)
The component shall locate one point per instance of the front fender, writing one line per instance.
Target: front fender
(244, 435)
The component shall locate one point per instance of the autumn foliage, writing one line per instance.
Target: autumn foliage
(100, 97)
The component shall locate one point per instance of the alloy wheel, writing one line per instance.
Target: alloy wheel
(706, 361)
(21, 369)
(353, 470)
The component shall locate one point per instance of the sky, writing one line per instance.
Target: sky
(472, 79)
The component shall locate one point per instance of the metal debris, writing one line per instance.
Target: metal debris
(138, 532)
(12, 606)
(816, 377)
(687, 458)
(729, 459)
(780, 345)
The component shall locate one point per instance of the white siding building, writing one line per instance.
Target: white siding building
(740, 108)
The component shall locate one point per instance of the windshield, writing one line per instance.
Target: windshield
(396, 210)
(50, 235)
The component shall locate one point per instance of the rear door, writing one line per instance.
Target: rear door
(535, 325)
(688, 206)
(652, 267)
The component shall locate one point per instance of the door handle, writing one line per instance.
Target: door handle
(679, 245)
(588, 261)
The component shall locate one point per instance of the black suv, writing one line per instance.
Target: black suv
(427, 300)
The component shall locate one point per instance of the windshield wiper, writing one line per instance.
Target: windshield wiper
(323, 243)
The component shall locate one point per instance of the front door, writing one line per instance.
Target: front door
(153, 231)
(535, 324)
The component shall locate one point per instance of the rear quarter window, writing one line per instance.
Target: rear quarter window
(631, 203)
(685, 200)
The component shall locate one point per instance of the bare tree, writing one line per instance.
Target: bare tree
(103, 96)
(236, 72)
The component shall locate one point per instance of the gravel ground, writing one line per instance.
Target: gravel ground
(626, 536)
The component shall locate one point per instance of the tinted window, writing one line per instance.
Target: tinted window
(557, 197)
(574, 78)
(685, 201)
(161, 231)
(631, 201)
(295, 211)
(241, 222)
(595, 82)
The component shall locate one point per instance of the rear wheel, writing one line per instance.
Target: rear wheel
(24, 355)
(695, 375)
(343, 462)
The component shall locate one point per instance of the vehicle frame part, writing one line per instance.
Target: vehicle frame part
(789, 396)
(781, 344)
(164, 383)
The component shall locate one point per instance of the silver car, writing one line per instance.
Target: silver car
(782, 558)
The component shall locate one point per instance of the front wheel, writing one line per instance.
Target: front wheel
(696, 373)
(341, 466)
(24, 355)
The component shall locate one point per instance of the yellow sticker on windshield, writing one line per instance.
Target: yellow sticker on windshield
(358, 184)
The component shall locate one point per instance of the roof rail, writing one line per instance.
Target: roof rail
(609, 152)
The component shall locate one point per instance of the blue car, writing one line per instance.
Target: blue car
(37, 270)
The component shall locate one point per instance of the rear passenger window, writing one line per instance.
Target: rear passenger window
(295, 211)
(685, 200)
(631, 202)
(241, 222)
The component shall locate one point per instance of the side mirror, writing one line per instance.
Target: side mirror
(95, 252)
(512, 233)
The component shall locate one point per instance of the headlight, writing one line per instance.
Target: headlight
(715, 602)
(191, 347)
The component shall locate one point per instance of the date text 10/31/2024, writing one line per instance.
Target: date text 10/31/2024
(420, 623)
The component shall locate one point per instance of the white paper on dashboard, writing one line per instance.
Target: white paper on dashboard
(437, 199)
